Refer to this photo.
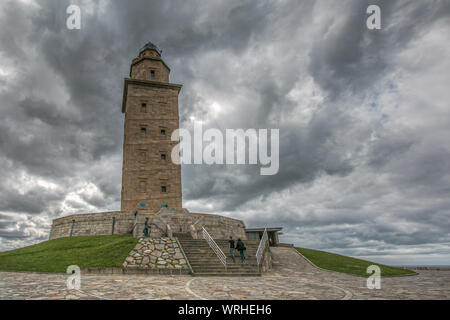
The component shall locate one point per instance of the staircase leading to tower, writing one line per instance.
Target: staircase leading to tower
(205, 262)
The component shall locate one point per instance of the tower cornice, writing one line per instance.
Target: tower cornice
(147, 83)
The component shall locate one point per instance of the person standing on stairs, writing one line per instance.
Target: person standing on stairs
(241, 248)
(231, 245)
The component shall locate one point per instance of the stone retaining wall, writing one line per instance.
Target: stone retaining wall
(161, 253)
(127, 222)
(220, 227)
(103, 223)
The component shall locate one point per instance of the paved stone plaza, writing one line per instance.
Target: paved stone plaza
(292, 278)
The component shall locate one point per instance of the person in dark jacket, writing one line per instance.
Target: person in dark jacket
(231, 245)
(240, 246)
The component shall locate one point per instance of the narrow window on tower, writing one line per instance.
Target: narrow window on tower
(144, 107)
(163, 132)
(143, 131)
(163, 189)
(163, 156)
(152, 73)
(143, 186)
(142, 156)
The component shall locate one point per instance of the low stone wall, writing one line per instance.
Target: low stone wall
(127, 222)
(103, 223)
(286, 245)
(220, 227)
(180, 220)
(161, 253)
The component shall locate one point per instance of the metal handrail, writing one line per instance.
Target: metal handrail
(222, 257)
(261, 247)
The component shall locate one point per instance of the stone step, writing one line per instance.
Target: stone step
(206, 256)
(183, 236)
(187, 245)
(188, 248)
(234, 266)
(205, 262)
(231, 265)
(207, 250)
(215, 258)
(224, 250)
(210, 253)
(227, 274)
(196, 260)
(219, 242)
(199, 264)
(223, 271)
(220, 267)
(204, 243)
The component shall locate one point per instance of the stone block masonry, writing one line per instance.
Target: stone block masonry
(132, 222)
(161, 253)
(150, 179)
(219, 227)
(93, 224)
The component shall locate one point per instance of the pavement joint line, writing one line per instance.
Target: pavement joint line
(91, 295)
(188, 289)
(347, 294)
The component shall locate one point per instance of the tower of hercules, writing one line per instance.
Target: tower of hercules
(150, 180)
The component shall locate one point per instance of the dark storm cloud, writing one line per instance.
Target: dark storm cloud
(33, 202)
(349, 58)
(357, 171)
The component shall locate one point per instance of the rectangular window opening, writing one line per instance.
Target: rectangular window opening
(142, 186)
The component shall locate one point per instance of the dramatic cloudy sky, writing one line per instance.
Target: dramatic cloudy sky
(364, 116)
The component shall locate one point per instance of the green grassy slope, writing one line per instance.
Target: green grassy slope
(56, 255)
(336, 262)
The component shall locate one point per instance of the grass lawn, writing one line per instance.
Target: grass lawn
(336, 262)
(56, 255)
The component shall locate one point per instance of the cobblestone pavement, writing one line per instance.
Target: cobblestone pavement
(292, 278)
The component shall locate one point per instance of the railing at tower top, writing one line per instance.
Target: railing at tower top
(261, 247)
(222, 257)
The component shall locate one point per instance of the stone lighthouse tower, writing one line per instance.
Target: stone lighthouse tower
(150, 180)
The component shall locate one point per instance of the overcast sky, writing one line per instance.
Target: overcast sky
(364, 116)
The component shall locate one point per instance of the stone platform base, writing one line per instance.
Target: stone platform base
(161, 224)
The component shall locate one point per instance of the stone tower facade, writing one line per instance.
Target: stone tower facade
(150, 180)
